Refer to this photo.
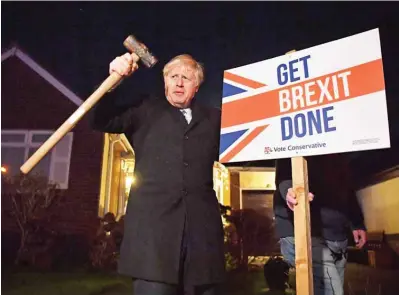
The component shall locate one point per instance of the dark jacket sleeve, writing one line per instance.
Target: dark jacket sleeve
(283, 176)
(107, 116)
(355, 213)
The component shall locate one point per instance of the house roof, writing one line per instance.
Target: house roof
(16, 51)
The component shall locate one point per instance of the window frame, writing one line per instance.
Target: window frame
(29, 144)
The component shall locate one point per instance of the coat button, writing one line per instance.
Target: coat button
(184, 192)
(186, 137)
(185, 164)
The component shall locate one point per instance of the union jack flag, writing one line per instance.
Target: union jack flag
(238, 98)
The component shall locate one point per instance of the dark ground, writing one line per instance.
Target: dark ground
(360, 280)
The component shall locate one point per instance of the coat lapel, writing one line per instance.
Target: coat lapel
(177, 116)
(199, 114)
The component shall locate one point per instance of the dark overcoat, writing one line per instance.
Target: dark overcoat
(174, 187)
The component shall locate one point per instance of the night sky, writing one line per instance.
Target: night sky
(75, 41)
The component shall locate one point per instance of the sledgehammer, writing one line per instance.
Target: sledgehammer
(134, 46)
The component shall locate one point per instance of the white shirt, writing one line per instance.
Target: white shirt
(187, 114)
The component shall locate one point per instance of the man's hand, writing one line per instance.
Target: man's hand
(360, 237)
(125, 64)
(291, 198)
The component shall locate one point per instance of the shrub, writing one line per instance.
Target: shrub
(33, 202)
(247, 233)
(105, 248)
(276, 272)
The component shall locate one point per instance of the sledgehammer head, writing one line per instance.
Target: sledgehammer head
(146, 57)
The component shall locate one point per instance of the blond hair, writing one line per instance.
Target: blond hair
(189, 61)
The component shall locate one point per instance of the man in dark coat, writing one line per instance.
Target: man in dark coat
(334, 211)
(173, 240)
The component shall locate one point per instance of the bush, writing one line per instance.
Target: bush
(247, 233)
(276, 272)
(104, 251)
(33, 202)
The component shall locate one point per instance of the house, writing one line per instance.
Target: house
(88, 166)
(34, 103)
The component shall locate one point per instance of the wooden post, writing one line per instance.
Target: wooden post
(303, 242)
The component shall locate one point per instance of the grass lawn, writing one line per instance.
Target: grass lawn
(252, 283)
(360, 280)
(364, 280)
(78, 283)
(31, 283)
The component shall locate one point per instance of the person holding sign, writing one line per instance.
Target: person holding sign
(173, 240)
(334, 210)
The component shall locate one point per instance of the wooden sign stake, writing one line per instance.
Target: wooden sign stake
(303, 242)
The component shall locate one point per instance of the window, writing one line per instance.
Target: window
(18, 145)
(117, 175)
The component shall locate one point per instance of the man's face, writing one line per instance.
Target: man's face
(180, 85)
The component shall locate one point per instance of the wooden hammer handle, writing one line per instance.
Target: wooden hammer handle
(107, 85)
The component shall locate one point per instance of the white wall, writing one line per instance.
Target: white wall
(380, 204)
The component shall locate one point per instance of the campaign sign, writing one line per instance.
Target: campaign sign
(322, 100)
